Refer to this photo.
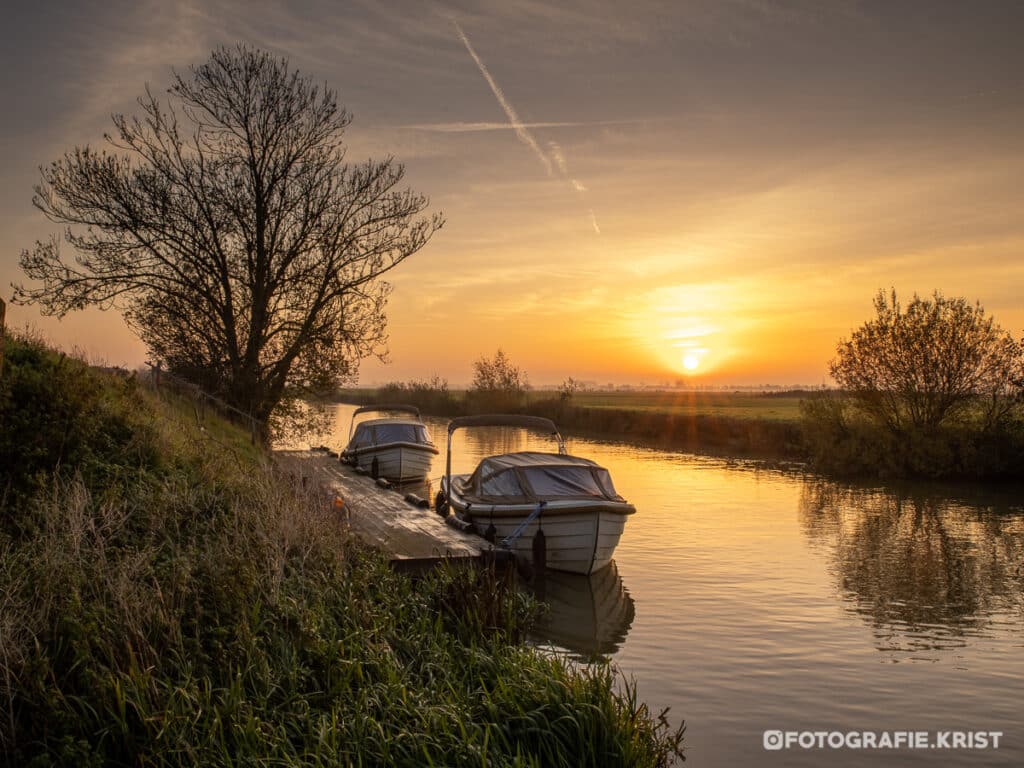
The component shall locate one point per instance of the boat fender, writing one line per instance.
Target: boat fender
(375, 469)
(491, 533)
(540, 551)
(417, 501)
(382, 482)
(540, 544)
(441, 504)
(455, 522)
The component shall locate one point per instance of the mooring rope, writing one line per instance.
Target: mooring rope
(510, 539)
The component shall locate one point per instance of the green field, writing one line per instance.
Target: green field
(784, 406)
(781, 407)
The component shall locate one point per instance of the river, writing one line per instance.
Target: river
(751, 600)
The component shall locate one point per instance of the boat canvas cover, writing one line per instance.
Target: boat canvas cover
(370, 434)
(530, 477)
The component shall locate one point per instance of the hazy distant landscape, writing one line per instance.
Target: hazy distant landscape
(782, 405)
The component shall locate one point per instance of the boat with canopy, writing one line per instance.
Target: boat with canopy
(519, 500)
(397, 449)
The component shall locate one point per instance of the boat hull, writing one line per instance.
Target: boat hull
(403, 463)
(579, 536)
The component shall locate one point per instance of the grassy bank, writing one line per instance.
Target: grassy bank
(744, 425)
(165, 599)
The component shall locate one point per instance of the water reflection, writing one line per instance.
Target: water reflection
(490, 441)
(589, 616)
(925, 572)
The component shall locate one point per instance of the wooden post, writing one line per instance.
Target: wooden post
(3, 314)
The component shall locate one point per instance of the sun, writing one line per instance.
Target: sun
(691, 361)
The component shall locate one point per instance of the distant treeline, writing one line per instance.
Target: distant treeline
(830, 435)
(729, 435)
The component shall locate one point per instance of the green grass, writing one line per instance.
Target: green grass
(784, 406)
(167, 599)
(733, 405)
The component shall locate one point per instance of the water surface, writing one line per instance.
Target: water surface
(747, 600)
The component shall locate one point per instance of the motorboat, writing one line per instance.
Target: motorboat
(566, 504)
(394, 448)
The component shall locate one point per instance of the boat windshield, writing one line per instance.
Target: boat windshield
(501, 484)
(520, 477)
(381, 434)
(563, 481)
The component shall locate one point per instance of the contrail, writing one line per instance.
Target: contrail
(521, 131)
(556, 153)
(524, 134)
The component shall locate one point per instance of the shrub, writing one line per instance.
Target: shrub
(58, 414)
(498, 385)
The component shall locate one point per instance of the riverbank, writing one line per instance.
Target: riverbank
(750, 426)
(818, 431)
(167, 599)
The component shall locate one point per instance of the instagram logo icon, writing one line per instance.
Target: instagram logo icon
(773, 739)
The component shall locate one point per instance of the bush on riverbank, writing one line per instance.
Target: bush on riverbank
(843, 441)
(430, 396)
(931, 389)
(184, 605)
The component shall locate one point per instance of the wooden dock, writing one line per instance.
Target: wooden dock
(413, 537)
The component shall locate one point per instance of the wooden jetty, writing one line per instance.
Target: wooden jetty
(413, 537)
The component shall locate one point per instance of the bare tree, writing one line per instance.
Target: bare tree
(229, 230)
(934, 362)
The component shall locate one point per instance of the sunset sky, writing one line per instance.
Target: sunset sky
(635, 192)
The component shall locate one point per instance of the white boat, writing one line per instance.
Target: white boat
(509, 499)
(397, 449)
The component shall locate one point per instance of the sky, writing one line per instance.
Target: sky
(706, 191)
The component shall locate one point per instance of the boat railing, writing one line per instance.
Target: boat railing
(538, 423)
(393, 407)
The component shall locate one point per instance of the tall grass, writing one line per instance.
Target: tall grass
(188, 606)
